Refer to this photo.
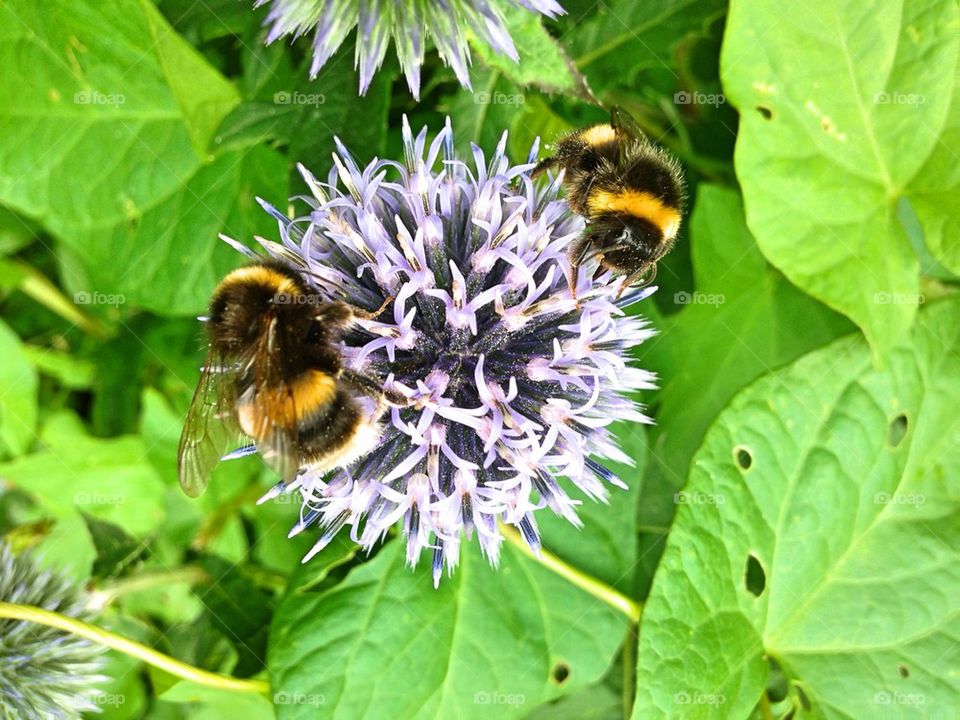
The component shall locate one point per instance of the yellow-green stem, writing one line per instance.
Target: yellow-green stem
(599, 590)
(129, 647)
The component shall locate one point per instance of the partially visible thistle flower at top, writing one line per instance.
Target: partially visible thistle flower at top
(44, 672)
(513, 381)
(409, 22)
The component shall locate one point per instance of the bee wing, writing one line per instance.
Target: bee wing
(625, 126)
(627, 130)
(211, 427)
(274, 412)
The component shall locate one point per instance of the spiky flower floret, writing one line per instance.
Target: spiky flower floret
(44, 672)
(513, 382)
(409, 22)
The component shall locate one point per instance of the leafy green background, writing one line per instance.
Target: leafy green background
(793, 519)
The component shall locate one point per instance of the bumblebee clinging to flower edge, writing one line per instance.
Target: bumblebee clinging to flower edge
(630, 192)
(274, 374)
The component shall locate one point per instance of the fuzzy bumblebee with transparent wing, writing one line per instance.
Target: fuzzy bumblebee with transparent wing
(274, 380)
(629, 190)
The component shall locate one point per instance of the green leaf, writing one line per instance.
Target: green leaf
(744, 318)
(480, 117)
(595, 702)
(15, 232)
(486, 644)
(821, 531)
(238, 609)
(828, 145)
(18, 395)
(108, 479)
(623, 37)
(935, 187)
(183, 260)
(535, 119)
(543, 62)
(138, 224)
(208, 703)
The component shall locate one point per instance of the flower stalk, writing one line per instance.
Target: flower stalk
(29, 613)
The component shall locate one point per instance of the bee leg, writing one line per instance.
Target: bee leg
(342, 315)
(543, 166)
(361, 314)
(577, 253)
(636, 277)
(372, 387)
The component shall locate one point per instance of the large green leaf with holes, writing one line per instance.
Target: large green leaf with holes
(846, 114)
(753, 320)
(486, 644)
(821, 532)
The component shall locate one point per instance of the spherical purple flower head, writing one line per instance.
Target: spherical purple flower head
(44, 672)
(512, 382)
(409, 22)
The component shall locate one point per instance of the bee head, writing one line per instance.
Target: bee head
(256, 300)
(628, 243)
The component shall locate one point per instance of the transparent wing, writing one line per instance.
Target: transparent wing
(211, 428)
(274, 413)
(627, 130)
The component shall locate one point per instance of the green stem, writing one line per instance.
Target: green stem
(37, 287)
(134, 649)
(765, 711)
(599, 590)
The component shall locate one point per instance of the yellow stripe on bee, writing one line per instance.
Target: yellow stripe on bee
(273, 406)
(599, 134)
(262, 275)
(313, 390)
(639, 204)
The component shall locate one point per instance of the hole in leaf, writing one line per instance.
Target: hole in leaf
(765, 112)
(754, 577)
(804, 700)
(743, 457)
(897, 430)
(560, 673)
(904, 671)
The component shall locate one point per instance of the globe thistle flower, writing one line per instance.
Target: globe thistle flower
(512, 381)
(44, 672)
(409, 22)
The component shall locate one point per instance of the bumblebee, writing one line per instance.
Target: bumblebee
(630, 192)
(274, 375)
